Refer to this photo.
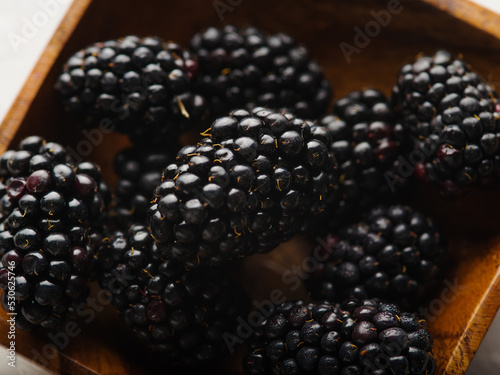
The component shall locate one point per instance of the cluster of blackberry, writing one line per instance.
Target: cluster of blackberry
(243, 67)
(395, 253)
(146, 86)
(367, 143)
(451, 115)
(138, 86)
(51, 210)
(353, 338)
(184, 315)
(247, 188)
(239, 191)
(270, 166)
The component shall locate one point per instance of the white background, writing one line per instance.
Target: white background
(17, 61)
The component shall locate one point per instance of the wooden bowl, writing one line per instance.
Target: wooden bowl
(459, 313)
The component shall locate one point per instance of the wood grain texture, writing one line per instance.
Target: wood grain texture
(470, 12)
(470, 224)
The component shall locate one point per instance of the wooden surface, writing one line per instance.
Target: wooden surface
(37, 77)
(471, 224)
(470, 12)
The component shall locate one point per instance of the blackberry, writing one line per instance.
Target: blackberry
(367, 143)
(51, 210)
(355, 337)
(396, 253)
(139, 172)
(451, 115)
(184, 315)
(244, 67)
(137, 86)
(251, 185)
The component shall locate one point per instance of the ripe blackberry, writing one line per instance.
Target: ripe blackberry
(451, 115)
(356, 337)
(50, 209)
(244, 67)
(396, 253)
(137, 86)
(139, 172)
(182, 314)
(367, 143)
(248, 187)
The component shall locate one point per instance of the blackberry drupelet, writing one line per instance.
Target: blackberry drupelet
(244, 67)
(182, 314)
(51, 212)
(137, 86)
(367, 143)
(395, 253)
(254, 183)
(139, 172)
(451, 115)
(354, 338)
